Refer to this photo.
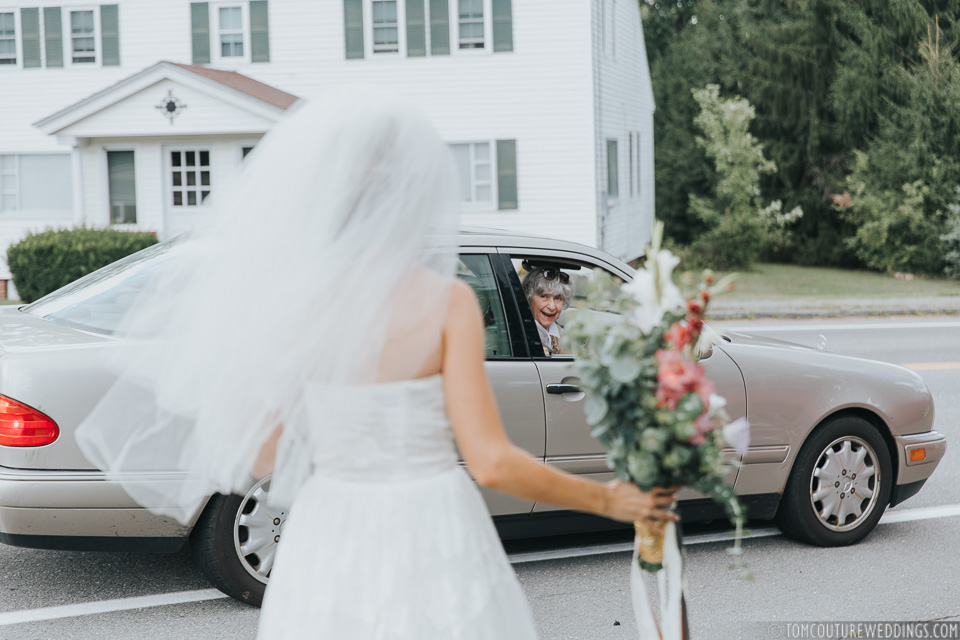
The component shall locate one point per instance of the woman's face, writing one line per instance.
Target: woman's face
(546, 308)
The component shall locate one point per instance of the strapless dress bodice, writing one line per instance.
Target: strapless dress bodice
(385, 432)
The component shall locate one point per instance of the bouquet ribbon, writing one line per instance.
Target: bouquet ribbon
(670, 587)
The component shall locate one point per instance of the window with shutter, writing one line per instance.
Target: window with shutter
(353, 28)
(53, 37)
(200, 32)
(30, 38)
(507, 174)
(259, 32)
(110, 34)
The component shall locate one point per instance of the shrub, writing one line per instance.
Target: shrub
(44, 262)
(738, 225)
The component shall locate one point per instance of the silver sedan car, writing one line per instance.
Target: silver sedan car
(834, 441)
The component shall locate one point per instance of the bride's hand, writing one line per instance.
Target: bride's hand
(627, 503)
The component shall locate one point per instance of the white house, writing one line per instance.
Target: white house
(130, 113)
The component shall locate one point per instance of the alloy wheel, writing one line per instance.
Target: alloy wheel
(844, 483)
(256, 531)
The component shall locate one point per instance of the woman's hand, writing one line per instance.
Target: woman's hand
(627, 503)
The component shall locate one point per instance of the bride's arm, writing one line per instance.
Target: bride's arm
(492, 459)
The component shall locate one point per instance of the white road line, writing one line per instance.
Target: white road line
(200, 595)
(734, 325)
(108, 606)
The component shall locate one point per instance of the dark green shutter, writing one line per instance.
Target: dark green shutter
(30, 28)
(507, 174)
(200, 32)
(53, 36)
(502, 25)
(110, 34)
(439, 28)
(259, 32)
(416, 29)
(353, 28)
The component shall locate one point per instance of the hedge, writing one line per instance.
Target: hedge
(44, 262)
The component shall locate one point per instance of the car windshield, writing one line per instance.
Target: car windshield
(98, 301)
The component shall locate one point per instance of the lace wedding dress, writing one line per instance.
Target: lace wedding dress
(389, 538)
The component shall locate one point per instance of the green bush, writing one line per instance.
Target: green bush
(44, 262)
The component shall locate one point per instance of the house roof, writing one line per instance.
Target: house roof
(232, 87)
(243, 84)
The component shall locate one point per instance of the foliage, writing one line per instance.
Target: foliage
(43, 262)
(737, 225)
(903, 185)
(822, 74)
(648, 400)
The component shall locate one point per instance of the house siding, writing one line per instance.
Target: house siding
(542, 94)
(623, 105)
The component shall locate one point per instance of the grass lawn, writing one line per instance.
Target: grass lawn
(772, 281)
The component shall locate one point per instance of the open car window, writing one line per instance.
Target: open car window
(476, 270)
(580, 275)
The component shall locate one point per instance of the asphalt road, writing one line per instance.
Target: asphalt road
(578, 586)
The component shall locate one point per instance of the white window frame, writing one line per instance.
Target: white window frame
(31, 214)
(454, 19)
(401, 52)
(216, 51)
(16, 184)
(137, 181)
(168, 185)
(66, 20)
(17, 37)
(473, 205)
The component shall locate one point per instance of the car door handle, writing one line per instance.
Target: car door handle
(563, 388)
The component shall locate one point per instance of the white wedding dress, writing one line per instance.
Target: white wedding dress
(389, 538)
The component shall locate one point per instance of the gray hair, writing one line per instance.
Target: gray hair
(535, 284)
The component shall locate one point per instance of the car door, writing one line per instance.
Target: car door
(569, 444)
(513, 375)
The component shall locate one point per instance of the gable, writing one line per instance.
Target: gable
(143, 114)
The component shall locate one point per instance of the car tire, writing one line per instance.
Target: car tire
(816, 506)
(234, 543)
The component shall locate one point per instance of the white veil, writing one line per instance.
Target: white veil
(329, 260)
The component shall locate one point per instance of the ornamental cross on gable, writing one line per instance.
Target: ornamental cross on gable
(171, 106)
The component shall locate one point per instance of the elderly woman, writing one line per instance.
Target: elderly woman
(548, 291)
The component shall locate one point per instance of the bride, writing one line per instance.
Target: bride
(316, 330)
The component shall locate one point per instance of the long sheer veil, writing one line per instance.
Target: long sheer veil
(328, 261)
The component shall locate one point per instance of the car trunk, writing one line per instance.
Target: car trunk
(57, 370)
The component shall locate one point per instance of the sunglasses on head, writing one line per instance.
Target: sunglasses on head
(554, 274)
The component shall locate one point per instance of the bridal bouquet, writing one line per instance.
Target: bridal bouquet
(648, 400)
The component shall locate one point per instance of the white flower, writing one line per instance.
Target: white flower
(642, 288)
(717, 402)
(737, 434)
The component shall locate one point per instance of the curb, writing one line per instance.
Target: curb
(786, 309)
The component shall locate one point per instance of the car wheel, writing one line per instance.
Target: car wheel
(839, 486)
(235, 542)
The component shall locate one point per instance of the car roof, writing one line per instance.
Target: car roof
(487, 237)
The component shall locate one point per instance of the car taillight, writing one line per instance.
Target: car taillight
(23, 426)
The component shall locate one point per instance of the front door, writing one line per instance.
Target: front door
(512, 373)
(187, 183)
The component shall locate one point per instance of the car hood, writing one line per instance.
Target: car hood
(21, 331)
(736, 337)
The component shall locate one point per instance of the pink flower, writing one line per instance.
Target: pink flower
(678, 335)
(677, 376)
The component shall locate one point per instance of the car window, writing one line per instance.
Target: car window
(98, 301)
(580, 276)
(476, 270)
